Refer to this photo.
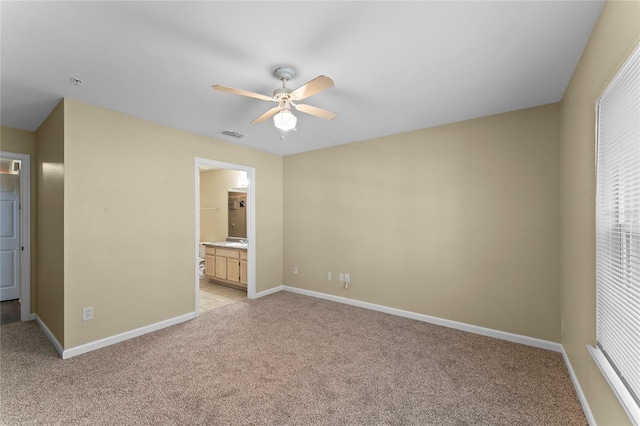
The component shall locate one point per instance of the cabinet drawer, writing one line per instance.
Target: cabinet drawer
(209, 250)
(243, 255)
(227, 253)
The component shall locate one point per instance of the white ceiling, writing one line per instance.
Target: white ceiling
(397, 66)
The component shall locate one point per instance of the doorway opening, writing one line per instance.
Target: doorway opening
(15, 234)
(225, 253)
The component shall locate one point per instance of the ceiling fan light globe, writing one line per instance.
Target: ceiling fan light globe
(284, 120)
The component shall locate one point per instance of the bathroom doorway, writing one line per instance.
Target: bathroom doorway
(225, 236)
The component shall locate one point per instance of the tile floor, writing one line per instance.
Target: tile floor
(214, 295)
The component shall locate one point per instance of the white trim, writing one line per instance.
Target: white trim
(251, 223)
(33, 317)
(576, 384)
(108, 341)
(619, 389)
(25, 231)
(196, 306)
(251, 233)
(502, 335)
(269, 291)
(49, 335)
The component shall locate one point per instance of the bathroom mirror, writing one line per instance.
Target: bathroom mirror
(237, 213)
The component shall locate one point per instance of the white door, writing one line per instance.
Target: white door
(9, 237)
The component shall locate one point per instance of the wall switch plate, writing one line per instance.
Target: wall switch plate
(328, 275)
(346, 278)
(341, 276)
(295, 270)
(87, 313)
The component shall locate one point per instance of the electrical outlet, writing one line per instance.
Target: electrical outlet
(295, 270)
(328, 275)
(341, 276)
(87, 313)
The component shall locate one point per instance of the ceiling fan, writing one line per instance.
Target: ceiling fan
(287, 98)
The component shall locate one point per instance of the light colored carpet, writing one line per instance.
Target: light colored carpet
(287, 359)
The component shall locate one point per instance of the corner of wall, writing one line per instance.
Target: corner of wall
(50, 221)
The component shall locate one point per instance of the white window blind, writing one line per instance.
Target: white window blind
(618, 234)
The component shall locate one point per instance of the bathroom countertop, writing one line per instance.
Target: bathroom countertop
(227, 244)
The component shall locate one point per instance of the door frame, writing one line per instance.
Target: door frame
(251, 223)
(25, 231)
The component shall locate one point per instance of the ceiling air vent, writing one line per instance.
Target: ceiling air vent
(232, 134)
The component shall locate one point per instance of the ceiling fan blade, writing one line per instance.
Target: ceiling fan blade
(316, 85)
(242, 92)
(273, 111)
(318, 112)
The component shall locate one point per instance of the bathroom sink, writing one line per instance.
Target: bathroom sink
(235, 244)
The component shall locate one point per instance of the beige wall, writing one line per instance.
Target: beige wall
(214, 186)
(616, 33)
(458, 221)
(24, 142)
(129, 219)
(50, 145)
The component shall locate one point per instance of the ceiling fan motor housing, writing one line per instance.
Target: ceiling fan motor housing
(282, 92)
(284, 73)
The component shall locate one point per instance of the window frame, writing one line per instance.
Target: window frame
(629, 401)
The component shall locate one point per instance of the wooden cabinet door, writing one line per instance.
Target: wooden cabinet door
(233, 270)
(243, 271)
(210, 265)
(221, 267)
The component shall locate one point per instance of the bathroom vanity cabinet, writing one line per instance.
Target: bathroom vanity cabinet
(226, 265)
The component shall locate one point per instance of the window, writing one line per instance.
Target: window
(618, 235)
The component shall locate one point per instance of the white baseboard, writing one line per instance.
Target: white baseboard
(269, 291)
(576, 384)
(33, 317)
(503, 335)
(107, 341)
(49, 334)
(516, 338)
